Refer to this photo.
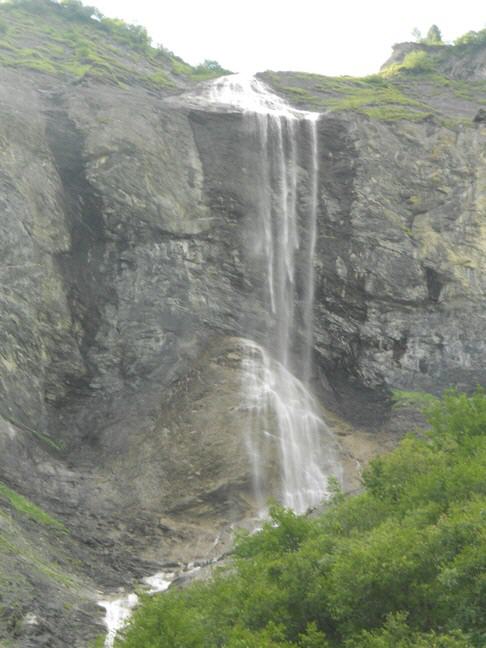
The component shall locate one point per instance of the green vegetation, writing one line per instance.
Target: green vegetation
(24, 506)
(69, 39)
(418, 62)
(472, 39)
(40, 436)
(398, 91)
(207, 70)
(203, 72)
(433, 37)
(402, 565)
(49, 441)
(416, 398)
(32, 557)
(31, 551)
(376, 96)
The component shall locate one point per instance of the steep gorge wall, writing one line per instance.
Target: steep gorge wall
(131, 266)
(130, 238)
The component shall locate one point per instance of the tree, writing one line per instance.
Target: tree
(434, 36)
(417, 35)
(210, 66)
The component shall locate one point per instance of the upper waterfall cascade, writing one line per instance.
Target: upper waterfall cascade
(293, 453)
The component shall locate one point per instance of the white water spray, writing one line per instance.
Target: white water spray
(292, 451)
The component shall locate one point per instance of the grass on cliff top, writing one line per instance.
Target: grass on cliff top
(388, 95)
(24, 506)
(72, 40)
(375, 96)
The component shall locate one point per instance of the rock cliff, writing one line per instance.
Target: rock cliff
(130, 268)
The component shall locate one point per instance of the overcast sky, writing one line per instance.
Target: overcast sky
(340, 37)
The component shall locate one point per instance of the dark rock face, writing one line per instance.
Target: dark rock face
(131, 265)
(401, 265)
(133, 239)
(480, 116)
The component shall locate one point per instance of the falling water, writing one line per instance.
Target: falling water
(292, 451)
(119, 609)
(284, 422)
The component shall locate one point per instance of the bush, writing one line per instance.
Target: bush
(396, 634)
(472, 38)
(417, 62)
(208, 70)
(458, 416)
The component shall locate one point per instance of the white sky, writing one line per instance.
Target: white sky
(340, 37)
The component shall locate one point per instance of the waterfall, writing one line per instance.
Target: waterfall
(292, 451)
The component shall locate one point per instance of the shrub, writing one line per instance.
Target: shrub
(472, 38)
(417, 62)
